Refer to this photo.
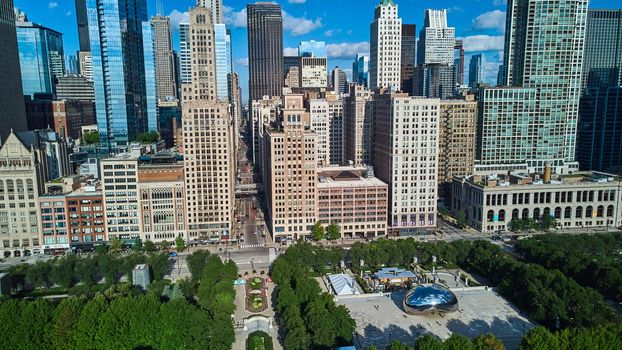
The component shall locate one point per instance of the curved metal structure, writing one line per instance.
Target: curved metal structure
(428, 298)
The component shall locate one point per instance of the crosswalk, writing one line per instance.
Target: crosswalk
(252, 245)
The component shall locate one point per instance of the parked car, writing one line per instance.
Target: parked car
(172, 254)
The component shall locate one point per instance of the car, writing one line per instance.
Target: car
(172, 254)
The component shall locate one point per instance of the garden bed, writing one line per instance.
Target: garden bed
(256, 299)
(259, 341)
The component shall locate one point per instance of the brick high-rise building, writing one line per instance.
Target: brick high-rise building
(164, 61)
(358, 125)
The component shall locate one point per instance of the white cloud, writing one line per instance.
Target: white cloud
(290, 51)
(235, 18)
(53, 4)
(296, 1)
(178, 17)
(499, 2)
(332, 32)
(299, 25)
(242, 61)
(346, 50)
(476, 43)
(490, 20)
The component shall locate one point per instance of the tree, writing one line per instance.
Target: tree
(38, 274)
(115, 245)
(180, 245)
(461, 220)
(147, 137)
(488, 342)
(149, 246)
(317, 232)
(196, 263)
(333, 231)
(428, 342)
(458, 342)
(164, 245)
(86, 270)
(138, 246)
(64, 321)
(63, 271)
(91, 137)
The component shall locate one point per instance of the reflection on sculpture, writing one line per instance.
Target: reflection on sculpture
(424, 299)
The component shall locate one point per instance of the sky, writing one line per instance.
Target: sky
(342, 24)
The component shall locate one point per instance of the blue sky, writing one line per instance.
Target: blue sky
(343, 24)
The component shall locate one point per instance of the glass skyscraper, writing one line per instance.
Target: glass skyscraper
(360, 70)
(41, 57)
(312, 49)
(476, 70)
(223, 61)
(116, 35)
(185, 75)
(150, 76)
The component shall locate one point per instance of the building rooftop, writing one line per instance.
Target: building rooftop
(521, 179)
(347, 176)
(393, 272)
(342, 284)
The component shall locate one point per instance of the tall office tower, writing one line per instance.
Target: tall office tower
(290, 149)
(263, 113)
(41, 57)
(74, 87)
(209, 163)
(602, 65)
(118, 69)
(18, 157)
(215, 6)
(265, 50)
(476, 70)
(459, 62)
(501, 75)
(360, 70)
(121, 206)
(312, 49)
(434, 74)
(407, 163)
(339, 80)
(222, 47)
(72, 64)
(83, 25)
(599, 134)
(358, 125)
(151, 87)
(12, 112)
(457, 138)
(313, 72)
(165, 62)
(185, 75)
(291, 71)
(409, 49)
(436, 39)
(528, 62)
(327, 122)
(386, 47)
(85, 64)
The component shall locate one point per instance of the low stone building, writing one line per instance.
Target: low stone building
(580, 200)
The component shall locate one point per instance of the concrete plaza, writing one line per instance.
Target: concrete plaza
(380, 320)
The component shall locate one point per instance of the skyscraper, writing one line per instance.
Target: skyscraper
(476, 70)
(535, 29)
(85, 64)
(12, 112)
(164, 60)
(83, 26)
(435, 74)
(360, 70)
(216, 7)
(385, 47)
(151, 87)
(118, 69)
(409, 48)
(222, 48)
(209, 160)
(459, 62)
(185, 75)
(265, 50)
(41, 56)
(339, 80)
(599, 134)
(358, 125)
(313, 72)
(71, 66)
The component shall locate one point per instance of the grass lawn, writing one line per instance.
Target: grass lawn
(259, 341)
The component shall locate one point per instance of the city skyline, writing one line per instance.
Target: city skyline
(480, 25)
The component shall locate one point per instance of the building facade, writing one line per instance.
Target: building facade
(20, 186)
(360, 70)
(409, 50)
(75, 87)
(582, 200)
(41, 57)
(12, 113)
(458, 120)
(354, 199)
(85, 65)
(602, 65)
(290, 174)
(436, 39)
(71, 115)
(406, 158)
(313, 72)
(151, 87)
(222, 47)
(358, 125)
(339, 80)
(476, 70)
(215, 6)
(265, 50)
(263, 113)
(185, 74)
(385, 47)
(119, 175)
(164, 60)
(118, 69)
